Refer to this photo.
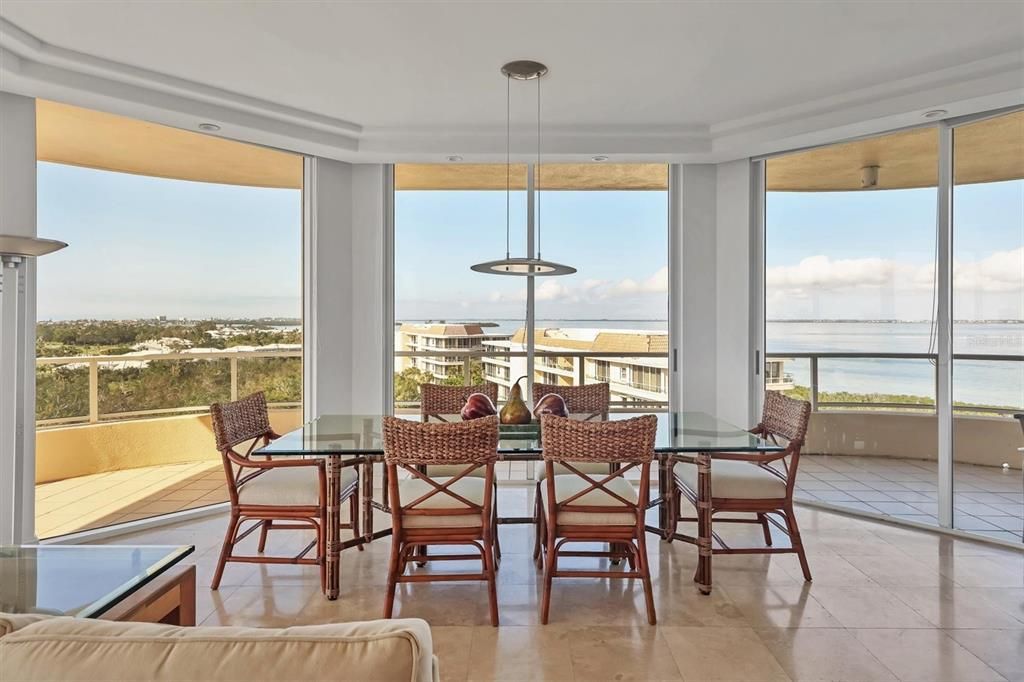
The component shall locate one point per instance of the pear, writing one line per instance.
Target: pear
(515, 410)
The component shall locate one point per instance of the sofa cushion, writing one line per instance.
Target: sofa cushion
(9, 622)
(735, 479)
(86, 649)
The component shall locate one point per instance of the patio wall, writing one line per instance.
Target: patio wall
(71, 451)
(988, 441)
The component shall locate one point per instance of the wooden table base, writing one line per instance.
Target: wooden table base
(169, 598)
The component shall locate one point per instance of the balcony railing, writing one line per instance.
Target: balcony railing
(814, 360)
(95, 362)
(544, 361)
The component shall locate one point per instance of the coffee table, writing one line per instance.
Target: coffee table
(112, 582)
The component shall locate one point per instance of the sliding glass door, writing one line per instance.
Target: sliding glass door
(860, 291)
(988, 326)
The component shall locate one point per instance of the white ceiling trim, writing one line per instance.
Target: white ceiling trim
(32, 67)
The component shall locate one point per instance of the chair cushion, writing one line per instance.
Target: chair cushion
(288, 486)
(88, 649)
(567, 485)
(586, 467)
(471, 488)
(737, 480)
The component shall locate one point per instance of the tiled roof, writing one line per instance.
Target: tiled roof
(604, 342)
(464, 329)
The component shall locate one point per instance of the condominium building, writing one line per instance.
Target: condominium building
(639, 375)
(434, 337)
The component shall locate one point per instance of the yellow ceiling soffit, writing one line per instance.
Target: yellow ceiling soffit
(552, 176)
(83, 137)
(991, 150)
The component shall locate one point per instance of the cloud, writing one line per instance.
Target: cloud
(655, 284)
(1002, 271)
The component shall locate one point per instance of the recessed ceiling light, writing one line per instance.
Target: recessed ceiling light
(599, 158)
(454, 158)
(209, 127)
(935, 113)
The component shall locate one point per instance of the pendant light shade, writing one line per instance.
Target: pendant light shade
(522, 70)
(529, 267)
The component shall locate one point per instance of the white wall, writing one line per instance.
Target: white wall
(345, 304)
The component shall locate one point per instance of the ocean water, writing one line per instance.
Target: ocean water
(974, 381)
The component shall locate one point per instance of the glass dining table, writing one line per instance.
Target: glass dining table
(351, 440)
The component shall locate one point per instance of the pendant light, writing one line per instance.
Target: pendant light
(523, 70)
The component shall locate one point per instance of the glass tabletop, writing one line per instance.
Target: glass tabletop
(78, 580)
(359, 435)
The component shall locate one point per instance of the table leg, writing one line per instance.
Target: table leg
(333, 530)
(367, 480)
(703, 574)
(663, 492)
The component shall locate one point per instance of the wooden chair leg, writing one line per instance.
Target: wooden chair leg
(645, 569)
(393, 565)
(763, 518)
(264, 527)
(353, 516)
(540, 541)
(494, 526)
(538, 520)
(797, 542)
(550, 558)
(492, 588)
(225, 551)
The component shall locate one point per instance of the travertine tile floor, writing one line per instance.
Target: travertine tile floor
(886, 603)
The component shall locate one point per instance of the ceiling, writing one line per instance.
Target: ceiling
(422, 77)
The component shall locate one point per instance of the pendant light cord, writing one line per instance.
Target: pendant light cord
(536, 188)
(508, 162)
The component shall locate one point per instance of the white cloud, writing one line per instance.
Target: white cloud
(655, 284)
(1002, 271)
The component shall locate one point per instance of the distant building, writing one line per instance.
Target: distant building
(630, 379)
(775, 376)
(469, 336)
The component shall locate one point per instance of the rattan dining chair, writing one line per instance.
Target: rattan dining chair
(580, 507)
(282, 494)
(440, 402)
(453, 510)
(587, 402)
(749, 482)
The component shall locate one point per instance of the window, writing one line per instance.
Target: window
(617, 301)
(849, 269)
(161, 305)
(988, 327)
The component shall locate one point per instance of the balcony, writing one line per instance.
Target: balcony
(99, 464)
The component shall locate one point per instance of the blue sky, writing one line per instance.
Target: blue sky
(142, 247)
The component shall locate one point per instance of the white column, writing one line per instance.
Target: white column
(18, 320)
(735, 359)
(327, 299)
(347, 347)
(694, 308)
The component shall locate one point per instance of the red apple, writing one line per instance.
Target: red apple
(478, 405)
(552, 403)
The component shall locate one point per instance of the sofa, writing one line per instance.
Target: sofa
(42, 648)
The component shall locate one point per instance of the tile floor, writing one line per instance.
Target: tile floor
(989, 501)
(986, 500)
(887, 603)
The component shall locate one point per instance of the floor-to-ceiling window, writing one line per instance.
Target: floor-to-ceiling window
(606, 322)
(181, 287)
(988, 326)
(850, 317)
(854, 310)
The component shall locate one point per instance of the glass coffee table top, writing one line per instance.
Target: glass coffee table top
(78, 580)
